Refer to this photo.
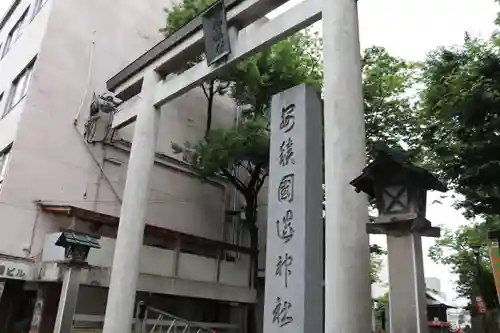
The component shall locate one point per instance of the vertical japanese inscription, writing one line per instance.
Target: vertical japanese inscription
(280, 312)
(215, 33)
(285, 188)
(287, 118)
(286, 152)
(284, 267)
(294, 224)
(217, 36)
(284, 229)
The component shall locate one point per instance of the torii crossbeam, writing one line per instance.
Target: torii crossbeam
(347, 286)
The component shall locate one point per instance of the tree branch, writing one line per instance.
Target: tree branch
(245, 166)
(254, 178)
(204, 90)
(210, 102)
(235, 181)
(262, 181)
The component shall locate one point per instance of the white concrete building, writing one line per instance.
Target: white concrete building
(55, 55)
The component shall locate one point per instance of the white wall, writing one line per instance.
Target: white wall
(49, 160)
(21, 52)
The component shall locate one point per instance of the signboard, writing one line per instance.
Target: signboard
(215, 32)
(294, 252)
(15, 270)
(480, 304)
(495, 266)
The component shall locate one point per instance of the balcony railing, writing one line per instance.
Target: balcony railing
(165, 263)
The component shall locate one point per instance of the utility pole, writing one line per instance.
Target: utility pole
(347, 278)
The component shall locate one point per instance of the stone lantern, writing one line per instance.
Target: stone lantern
(400, 192)
(77, 245)
(399, 189)
(76, 249)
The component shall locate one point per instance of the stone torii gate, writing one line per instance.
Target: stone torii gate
(347, 287)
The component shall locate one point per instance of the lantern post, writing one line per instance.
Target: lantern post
(76, 249)
(400, 191)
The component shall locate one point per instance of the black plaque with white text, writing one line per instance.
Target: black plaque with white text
(216, 35)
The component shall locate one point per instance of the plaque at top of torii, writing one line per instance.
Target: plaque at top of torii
(216, 33)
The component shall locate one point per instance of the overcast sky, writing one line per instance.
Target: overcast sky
(410, 29)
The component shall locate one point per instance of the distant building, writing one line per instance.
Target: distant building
(437, 312)
(433, 283)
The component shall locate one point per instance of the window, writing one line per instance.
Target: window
(4, 160)
(37, 7)
(19, 88)
(14, 33)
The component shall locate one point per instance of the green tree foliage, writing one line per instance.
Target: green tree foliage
(377, 255)
(461, 122)
(183, 12)
(390, 115)
(453, 249)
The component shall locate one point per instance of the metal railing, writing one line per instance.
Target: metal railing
(154, 321)
(168, 323)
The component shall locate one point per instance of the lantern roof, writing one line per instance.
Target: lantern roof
(70, 237)
(389, 163)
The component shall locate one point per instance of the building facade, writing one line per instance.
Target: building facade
(63, 167)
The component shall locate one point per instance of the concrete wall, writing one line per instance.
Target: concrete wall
(160, 262)
(50, 161)
(21, 52)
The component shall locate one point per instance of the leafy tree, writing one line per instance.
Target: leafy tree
(460, 118)
(453, 249)
(390, 113)
(182, 12)
(376, 259)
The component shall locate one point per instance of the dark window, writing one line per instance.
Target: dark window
(4, 161)
(15, 33)
(37, 7)
(19, 88)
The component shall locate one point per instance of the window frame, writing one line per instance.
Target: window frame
(25, 77)
(17, 28)
(37, 7)
(5, 156)
(2, 93)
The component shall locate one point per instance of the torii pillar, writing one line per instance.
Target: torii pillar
(347, 265)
